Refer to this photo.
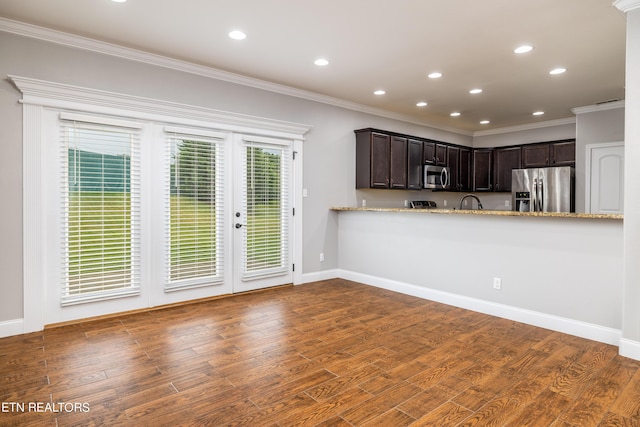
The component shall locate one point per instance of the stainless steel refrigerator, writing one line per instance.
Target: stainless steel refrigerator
(543, 189)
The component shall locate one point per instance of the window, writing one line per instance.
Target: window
(101, 211)
(195, 211)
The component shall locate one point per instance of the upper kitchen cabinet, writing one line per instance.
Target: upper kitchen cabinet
(398, 163)
(415, 164)
(483, 169)
(381, 160)
(435, 154)
(563, 153)
(504, 161)
(559, 153)
(459, 163)
(373, 160)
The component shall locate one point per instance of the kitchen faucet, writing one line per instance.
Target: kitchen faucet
(472, 196)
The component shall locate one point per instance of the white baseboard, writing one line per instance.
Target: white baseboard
(542, 320)
(630, 349)
(11, 327)
(319, 275)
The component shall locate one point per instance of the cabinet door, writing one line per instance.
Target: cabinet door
(380, 160)
(398, 173)
(414, 164)
(435, 154)
(453, 162)
(504, 161)
(535, 156)
(563, 153)
(482, 167)
(465, 170)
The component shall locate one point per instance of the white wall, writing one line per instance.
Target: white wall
(564, 271)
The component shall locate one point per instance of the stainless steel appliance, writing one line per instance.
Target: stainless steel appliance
(423, 204)
(543, 189)
(436, 177)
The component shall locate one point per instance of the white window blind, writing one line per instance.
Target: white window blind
(101, 211)
(266, 209)
(195, 208)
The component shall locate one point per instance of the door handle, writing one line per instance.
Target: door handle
(238, 225)
(535, 195)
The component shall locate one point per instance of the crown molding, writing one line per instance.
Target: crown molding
(84, 43)
(598, 107)
(627, 5)
(530, 126)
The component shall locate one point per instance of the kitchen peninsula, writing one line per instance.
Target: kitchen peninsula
(561, 271)
(486, 212)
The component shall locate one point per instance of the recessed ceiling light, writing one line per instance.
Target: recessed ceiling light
(538, 113)
(435, 75)
(321, 62)
(474, 91)
(421, 104)
(119, 1)
(454, 114)
(484, 122)
(523, 49)
(558, 70)
(379, 92)
(237, 35)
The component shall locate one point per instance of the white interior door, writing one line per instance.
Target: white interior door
(605, 178)
(263, 213)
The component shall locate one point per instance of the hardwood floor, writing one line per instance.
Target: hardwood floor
(332, 353)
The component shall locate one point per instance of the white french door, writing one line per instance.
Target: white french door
(263, 213)
(144, 215)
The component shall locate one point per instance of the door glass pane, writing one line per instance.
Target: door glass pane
(195, 212)
(100, 211)
(266, 210)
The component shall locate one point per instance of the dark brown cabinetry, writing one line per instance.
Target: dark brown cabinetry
(483, 170)
(373, 157)
(504, 161)
(561, 153)
(381, 160)
(435, 154)
(414, 164)
(395, 161)
(459, 163)
(398, 163)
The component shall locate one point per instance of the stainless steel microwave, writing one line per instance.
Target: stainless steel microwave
(436, 177)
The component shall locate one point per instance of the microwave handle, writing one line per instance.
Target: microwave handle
(444, 177)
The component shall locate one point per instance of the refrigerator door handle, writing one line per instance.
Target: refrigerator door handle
(541, 196)
(534, 196)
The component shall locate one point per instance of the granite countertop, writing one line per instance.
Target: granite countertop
(483, 212)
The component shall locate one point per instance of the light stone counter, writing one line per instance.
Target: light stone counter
(483, 212)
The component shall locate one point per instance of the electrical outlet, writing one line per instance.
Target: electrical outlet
(364, 203)
(444, 203)
(321, 257)
(506, 203)
(497, 283)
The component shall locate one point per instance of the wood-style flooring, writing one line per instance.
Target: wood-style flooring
(331, 353)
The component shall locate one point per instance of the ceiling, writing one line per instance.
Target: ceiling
(380, 44)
